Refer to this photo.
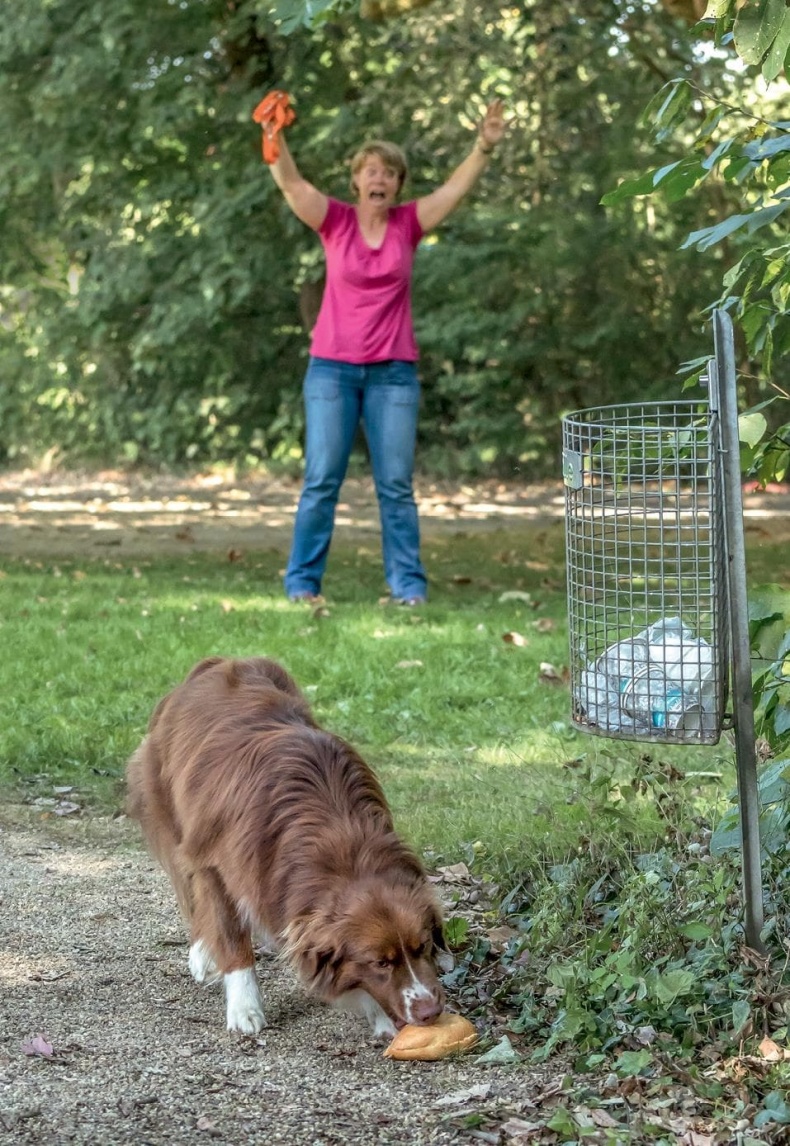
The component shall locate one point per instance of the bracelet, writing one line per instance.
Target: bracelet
(484, 150)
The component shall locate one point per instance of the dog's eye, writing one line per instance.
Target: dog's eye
(418, 952)
(385, 964)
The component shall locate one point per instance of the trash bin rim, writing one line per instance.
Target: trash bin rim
(626, 407)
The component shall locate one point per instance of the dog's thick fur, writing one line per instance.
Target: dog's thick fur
(269, 826)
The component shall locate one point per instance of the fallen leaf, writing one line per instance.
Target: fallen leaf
(38, 1046)
(235, 555)
(515, 595)
(544, 625)
(408, 664)
(459, 1097)
(603, 1118)
(66, 808)
(549, 674)
(504, 1052)
(227, 606)
(515, 639)
(499, 937)
(772, 1052)
(517, 1131)
(454, 873)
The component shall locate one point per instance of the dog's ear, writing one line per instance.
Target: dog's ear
(315, 964)
(444, 958)
(204, 666)
(315, 957)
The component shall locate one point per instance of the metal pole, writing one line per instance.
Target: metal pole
(743, 703)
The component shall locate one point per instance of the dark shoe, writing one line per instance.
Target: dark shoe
(412, 602)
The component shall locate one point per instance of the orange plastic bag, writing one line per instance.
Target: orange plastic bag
(273, 113)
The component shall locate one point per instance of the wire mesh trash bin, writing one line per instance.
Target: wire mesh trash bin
(646, 570)
(657, 594)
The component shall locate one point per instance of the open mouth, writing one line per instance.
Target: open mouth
(379, 195)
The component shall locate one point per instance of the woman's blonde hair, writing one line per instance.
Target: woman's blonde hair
(388, 153)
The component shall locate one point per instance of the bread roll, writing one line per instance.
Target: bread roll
(448, 1035)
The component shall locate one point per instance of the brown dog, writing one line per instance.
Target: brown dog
(268, 825)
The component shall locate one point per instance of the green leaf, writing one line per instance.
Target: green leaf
(727, 833)
(717, 9)
(756, 27)
(775, 1109)
(776, 60)
(773, 829)
(774, 782)
(696, 931)
(456, 930)
(752, 221)
(630, 1063)
(672, 985)
(751, 428)
(629, 189)
(668, 108)
(680, 177)
(293, 14)
(762, 149)
(563, 1123)
(709, 236)
(768, 601)
(782, 720)
(741, 1013)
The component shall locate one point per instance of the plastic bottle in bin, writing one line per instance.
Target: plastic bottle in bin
(621, 662)
(663, 678)
(687, 660)
(649, 695)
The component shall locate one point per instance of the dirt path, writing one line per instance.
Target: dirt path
(121, 515)
(114, 514)
(93, 964)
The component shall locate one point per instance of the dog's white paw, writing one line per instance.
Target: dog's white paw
(201, 963)
(361, 1003)
(244, 1003)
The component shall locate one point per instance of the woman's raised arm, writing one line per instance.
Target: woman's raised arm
(306, 201)
(433, 208)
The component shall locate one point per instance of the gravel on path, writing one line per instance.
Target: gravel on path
(93, 964)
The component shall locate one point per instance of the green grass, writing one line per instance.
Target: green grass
(471, 745)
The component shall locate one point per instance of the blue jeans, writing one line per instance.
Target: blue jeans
(385, 396)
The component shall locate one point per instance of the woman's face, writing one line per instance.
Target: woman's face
(376, 182)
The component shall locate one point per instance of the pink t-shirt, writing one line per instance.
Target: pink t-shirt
(365, 313)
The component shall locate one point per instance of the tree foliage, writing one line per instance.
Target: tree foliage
(154, 288)
(741, 147)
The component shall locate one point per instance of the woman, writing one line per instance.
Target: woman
(363, 354)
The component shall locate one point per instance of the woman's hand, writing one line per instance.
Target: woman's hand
(492, 126)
